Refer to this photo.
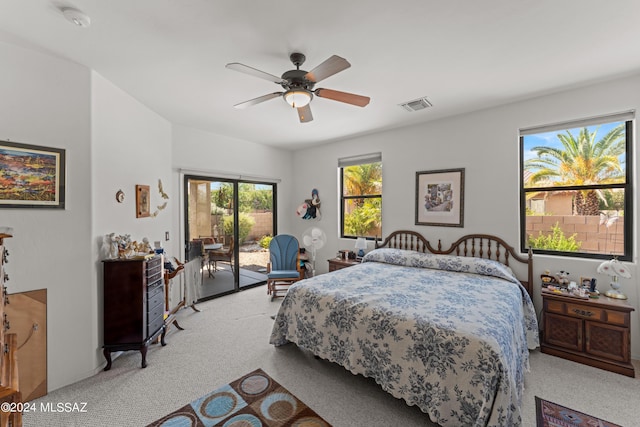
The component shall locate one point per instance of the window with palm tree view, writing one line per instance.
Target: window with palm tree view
(361, 200)
(576, 188)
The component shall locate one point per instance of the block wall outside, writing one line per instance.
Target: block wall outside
(595, 237)
(263, 226)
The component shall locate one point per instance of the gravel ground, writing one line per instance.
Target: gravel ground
(253, 257)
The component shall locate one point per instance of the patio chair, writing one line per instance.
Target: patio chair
(283, 270)
(222, 255)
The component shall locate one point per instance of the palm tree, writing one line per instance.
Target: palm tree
(581, 161)
(363, 179)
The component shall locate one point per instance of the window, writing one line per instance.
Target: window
(576, 188)
(361, 196)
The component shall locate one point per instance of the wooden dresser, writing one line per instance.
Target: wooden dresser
(595, 332)
(10, 395)
(133, 305)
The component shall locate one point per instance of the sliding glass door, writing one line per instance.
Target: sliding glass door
(228, 223)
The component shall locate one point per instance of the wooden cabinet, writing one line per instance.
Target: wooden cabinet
(9, 387)
(133, 305)
(595, 332)
(338, 263)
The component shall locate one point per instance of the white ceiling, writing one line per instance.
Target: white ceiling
(461, 55)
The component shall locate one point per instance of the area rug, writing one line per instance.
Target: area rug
(254, 400)
(549, 414)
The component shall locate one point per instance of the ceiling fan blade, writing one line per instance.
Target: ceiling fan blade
(236, 66)
(258, 100)
(328, 68)
(349, 98)
(305, 114)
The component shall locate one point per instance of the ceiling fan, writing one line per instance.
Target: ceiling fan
(299, 85)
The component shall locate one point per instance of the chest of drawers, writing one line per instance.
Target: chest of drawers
(133, 305)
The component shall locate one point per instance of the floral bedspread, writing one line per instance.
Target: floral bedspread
(448, 334)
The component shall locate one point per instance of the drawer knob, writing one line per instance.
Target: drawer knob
(583, 312)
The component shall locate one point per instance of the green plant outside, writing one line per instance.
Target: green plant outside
(556, 241)
(246, 224)
(265, 241)
(582, 160)
(364, 219)
(251, 199)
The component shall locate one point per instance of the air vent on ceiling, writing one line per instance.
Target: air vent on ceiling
(416, 104)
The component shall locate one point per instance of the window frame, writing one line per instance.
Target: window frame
(627, 186)
(341, 166)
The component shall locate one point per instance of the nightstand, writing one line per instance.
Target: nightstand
(338, 263)
(595, 332)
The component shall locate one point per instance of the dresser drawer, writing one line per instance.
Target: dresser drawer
(155, 312)
(153, 263)
(152, 279)
(154, 326)
(154, 269)
(156, 299)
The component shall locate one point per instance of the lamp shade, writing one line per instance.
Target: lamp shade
(614, 267)
(297, 97)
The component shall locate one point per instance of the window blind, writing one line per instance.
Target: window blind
(616, 117)
(359, 160)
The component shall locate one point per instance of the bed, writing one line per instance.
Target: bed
(448, 330)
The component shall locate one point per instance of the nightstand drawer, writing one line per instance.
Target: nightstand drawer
(597, 313)
(339, 264)
(586, 312)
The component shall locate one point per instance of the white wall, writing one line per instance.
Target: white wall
(112, 142)
(131, 145)
(203, 153)
(485, 143)
(46, 101)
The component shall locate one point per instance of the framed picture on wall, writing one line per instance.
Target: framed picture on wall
(32, 176)
(440, 197)
(142, 201)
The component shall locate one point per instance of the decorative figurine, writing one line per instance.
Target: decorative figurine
(310, 209)
(562, 277)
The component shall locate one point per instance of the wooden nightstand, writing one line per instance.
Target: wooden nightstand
(595, 332)
(337, 263)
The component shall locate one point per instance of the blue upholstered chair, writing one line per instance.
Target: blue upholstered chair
(284, 267)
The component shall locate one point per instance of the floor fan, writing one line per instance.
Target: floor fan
(313, 239)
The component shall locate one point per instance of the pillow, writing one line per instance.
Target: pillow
(485, 267)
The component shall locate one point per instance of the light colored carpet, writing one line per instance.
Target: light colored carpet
(229, 338)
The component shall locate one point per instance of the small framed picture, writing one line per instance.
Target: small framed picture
(142, 201)
(440, 197)
(585, 281)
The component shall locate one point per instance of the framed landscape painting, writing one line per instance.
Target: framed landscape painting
(32, 176)
(440, 197)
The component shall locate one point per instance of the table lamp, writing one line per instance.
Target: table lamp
(614, 268)
(361, 245)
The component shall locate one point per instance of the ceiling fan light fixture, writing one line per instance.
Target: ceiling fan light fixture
(298, 98)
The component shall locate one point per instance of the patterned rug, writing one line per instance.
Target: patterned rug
(254, 400)
(549, 414)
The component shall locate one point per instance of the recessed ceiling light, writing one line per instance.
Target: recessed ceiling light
(76, 17)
